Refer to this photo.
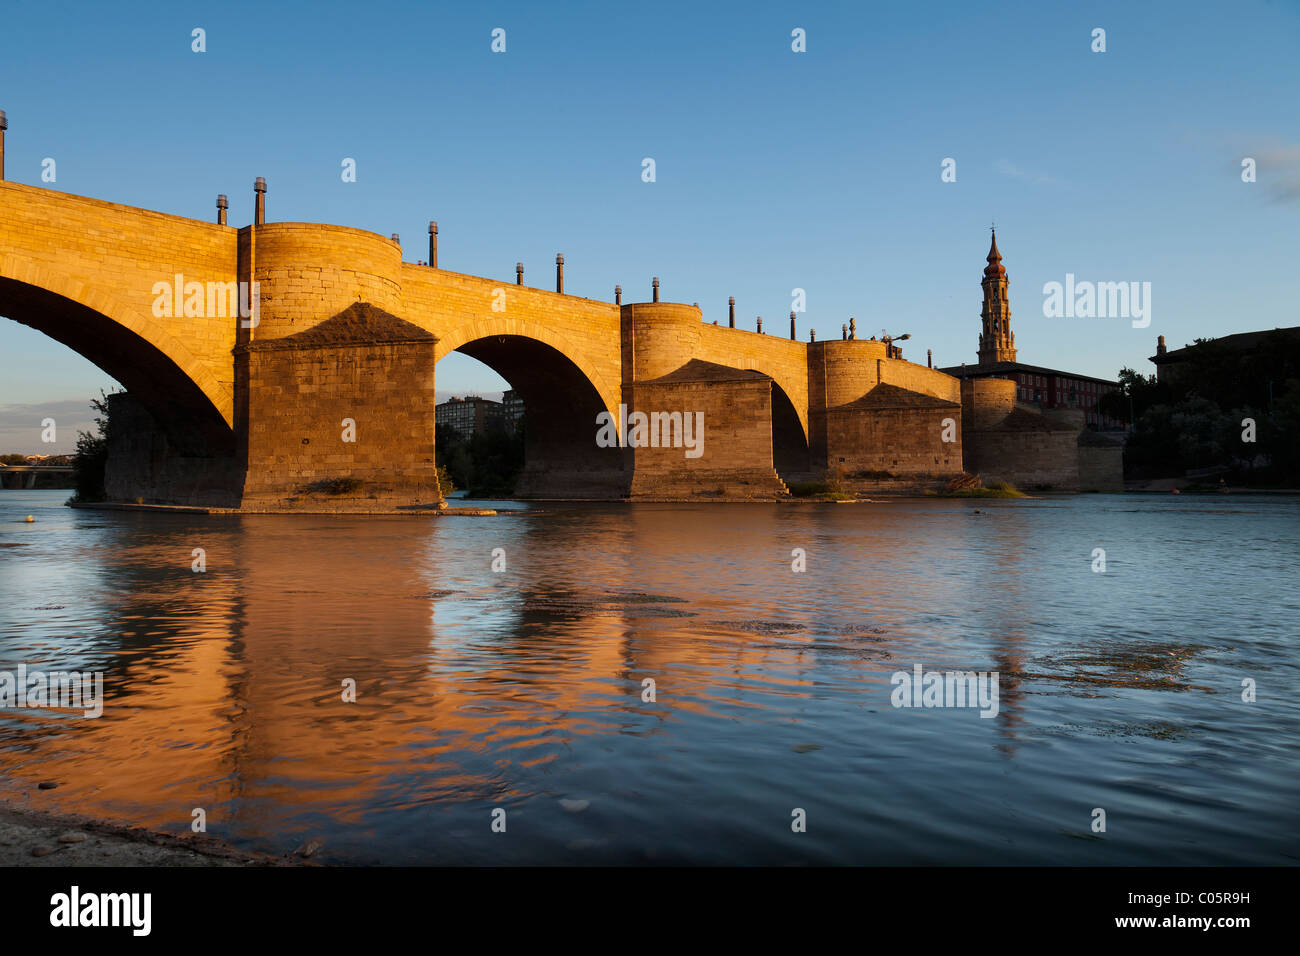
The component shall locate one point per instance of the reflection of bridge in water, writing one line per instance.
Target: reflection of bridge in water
(24, 476)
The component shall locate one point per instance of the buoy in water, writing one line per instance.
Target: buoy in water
(30, 519)
(1174, 491)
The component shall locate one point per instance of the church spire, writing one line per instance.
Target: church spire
(995, 266)
(997, 342)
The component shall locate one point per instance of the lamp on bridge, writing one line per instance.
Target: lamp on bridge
(433, 243)
(4, 125)
(222, 205)
(889, 341)
(259, 201)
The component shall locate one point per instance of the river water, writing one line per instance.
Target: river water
(523, 689)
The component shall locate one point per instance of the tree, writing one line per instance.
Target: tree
(1135, 395)
(1182, 424)
(92, 454)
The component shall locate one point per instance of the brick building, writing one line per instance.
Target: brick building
(1049, 388)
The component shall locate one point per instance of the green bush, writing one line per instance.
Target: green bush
(999, 489)
(92, 455)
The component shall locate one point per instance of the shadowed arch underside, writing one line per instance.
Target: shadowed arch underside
(789, 443)
(181, 409)
(562, 459)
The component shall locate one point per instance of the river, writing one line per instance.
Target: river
(768, 735)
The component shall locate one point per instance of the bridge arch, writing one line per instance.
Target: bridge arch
(784, 361)
(156, 367)
(601, 372)
(561, 405)
(790, 455)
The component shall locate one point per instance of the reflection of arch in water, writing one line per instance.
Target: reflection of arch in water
(561, 404)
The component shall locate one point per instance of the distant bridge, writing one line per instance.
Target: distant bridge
(25, 475)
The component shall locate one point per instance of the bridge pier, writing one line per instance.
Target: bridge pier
(339, 416)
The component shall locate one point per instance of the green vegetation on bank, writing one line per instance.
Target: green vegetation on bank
(486, 465)
(999, 489)
(1193, 420)
(828, 490)
(92, 455)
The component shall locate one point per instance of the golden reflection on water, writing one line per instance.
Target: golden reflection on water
(225, 689)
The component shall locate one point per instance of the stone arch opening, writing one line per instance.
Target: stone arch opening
(182, 410)
(790, 455)
(561, 457)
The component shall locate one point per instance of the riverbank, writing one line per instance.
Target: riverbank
(430, 512)
(1188, 486)
(31, 837)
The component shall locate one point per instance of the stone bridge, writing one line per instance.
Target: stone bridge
(255, 412)
(24, 476)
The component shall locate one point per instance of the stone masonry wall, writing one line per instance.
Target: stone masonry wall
(1030, 460)
(308, 272)
(1101, 467)
(986, 401)
(737, 447)
(297, 400)
(901, 441)
(144, 467)
(783, 360)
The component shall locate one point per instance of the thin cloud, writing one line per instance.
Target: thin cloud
(21, 428)
(1008, 168)
(1277, 162)
(1278, 167)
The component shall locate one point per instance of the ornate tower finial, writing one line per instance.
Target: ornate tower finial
(997, 343)
(994, 259)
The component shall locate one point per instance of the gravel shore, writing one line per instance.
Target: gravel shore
(34, 838)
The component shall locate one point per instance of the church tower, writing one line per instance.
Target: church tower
(997, 341)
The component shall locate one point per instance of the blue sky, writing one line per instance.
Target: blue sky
(775, 170)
